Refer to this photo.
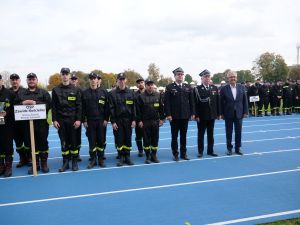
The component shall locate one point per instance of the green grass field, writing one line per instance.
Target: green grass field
(295, 221)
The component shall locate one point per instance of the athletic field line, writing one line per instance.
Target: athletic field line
(146, 188)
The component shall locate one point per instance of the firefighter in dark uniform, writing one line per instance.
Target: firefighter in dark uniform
(247, 88)
(140, 83)
(66, 116)
(254, 91)
(276, 96)
(206, 112)
(7, 98)
(297, 96)
(122, 116)
(264, 96)
(75, 82)
(150, 116)
(32, 96)
(18, 132)
(96, 114)
(287, 98)
(179, 108)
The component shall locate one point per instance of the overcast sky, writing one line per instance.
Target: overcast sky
(42, 36)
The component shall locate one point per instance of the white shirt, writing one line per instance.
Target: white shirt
(233, 90)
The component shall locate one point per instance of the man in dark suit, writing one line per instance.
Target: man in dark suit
(206, 111)
(179, 108)
(233, 108)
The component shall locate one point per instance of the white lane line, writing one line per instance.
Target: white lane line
(154, 164)
(223, 134)
(256, 217)
(147, 188)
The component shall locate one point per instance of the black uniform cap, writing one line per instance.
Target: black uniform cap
(65, 70)
(14, 76)
(31, 75)
(93, 75)
(177, 70)
(0, 77)
(73, 76)
(204, 73)
(148, 81)
(121, 76)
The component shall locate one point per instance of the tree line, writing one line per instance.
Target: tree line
(268, 66)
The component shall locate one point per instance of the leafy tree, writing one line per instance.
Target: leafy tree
(108, 80)
(5, 77)
(271, 67)
(132, 76)
(188, 78)
(218, 77)
(154, 72)
(164, 81)
(54, 80)
(245, 75)
(294, 72)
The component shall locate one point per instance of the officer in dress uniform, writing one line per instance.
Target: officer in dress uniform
(179, 108)
(207, 110)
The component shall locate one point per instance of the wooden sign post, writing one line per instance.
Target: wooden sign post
(254, 99)
(31, 112)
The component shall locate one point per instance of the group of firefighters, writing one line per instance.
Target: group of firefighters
(272, 96)
(144, 109)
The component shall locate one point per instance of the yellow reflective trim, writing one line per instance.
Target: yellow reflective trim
(100, 149)
(94, 149)
(146, 148)
(71, 98)
(156, 104)
(154, 148)
(129, 102)
(74, 152)
(101, 101)
(7, 104)
(120, 148)
(2, 156)
(126, 147)
(65, 153)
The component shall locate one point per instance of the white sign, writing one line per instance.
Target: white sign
(30, 112)
(254, 98)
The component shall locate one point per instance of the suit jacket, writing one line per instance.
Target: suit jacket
(179, 102)
(228, 105)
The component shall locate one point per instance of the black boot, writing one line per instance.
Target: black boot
(93, 160)
(148, 158)
(127, 158)
(44, 165)
(100, 155)
(65, 165)
(38, 167)
(22, 161)
(121, 158)
(8, 166)
(153, 156)
(74, 163)
(139, 144)
(2, 166)
(28, 157)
